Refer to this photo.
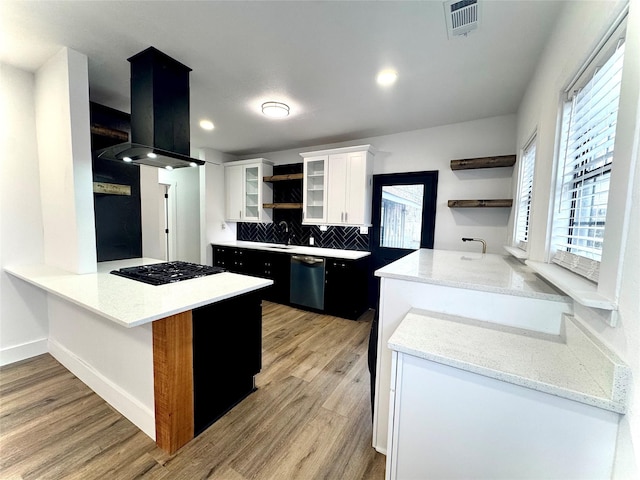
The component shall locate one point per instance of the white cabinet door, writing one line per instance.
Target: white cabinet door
(349, 189)
(233, 187)
(481, 427)
(252, 193)
(314, 197)
(245, 191)
(337, 186)
(358, 191)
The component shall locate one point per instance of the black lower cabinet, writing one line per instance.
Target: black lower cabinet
(274, 266)
(259, 263)
(346, 284)
(227, 354)
(346, 281)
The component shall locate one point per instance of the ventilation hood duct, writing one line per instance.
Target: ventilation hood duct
(159, 114)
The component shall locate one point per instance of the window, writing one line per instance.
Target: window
(586, 158)
(527, 162)
(401, 216)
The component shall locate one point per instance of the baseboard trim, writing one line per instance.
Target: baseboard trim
(22, 352)
(123, 402)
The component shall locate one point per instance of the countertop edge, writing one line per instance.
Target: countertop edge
(615, 403)
(296, 249)
(514, 379)
(57, 273)
(474, 286)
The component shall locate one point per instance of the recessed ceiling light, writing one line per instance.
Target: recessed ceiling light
(151, 155)
(127, 159)
(168, 167)
(387, 77)
(206, 125)
(275, 109)
(193, 164)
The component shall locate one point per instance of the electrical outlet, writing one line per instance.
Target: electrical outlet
(223, 226)
(323, 228)
(364, 230)
(311, 241)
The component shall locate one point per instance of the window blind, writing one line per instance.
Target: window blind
(589, 128)
(525, 192)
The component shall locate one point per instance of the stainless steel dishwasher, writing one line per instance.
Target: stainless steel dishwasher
(307, 281)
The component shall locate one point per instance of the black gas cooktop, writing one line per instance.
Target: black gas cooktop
(168, 272)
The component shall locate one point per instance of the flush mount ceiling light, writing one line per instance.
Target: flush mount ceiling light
(206, 125)
(387, 77)
(275, 109)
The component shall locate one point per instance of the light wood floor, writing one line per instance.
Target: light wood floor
(309, 419)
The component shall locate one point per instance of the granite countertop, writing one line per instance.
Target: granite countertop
(296, 249)
(574, 365)
(474, 271)
(131, 303)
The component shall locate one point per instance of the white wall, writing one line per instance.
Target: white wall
(152, 213)
(433, 149)
(186, 190)
(213, 227)
(579, 28)
(23, 308)
(64, 152)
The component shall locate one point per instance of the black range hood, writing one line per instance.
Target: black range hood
(159, 114)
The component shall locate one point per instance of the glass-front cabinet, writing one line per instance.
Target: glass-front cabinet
(245, 191)
(314, 197)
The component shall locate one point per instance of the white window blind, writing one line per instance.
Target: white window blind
(525, 191)
(589, 129)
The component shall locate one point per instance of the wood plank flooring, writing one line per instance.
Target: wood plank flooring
(309, 419)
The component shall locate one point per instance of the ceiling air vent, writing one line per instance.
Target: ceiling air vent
(461, 16)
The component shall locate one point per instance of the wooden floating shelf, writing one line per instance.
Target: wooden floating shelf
(283, 206)
(109, 132)
(484, 162)
(280, 178)
(506, 202)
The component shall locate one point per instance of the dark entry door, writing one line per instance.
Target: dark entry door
(404, 218)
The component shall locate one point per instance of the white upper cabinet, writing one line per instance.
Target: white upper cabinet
(245, 192)
(314, 190)
(338, 186)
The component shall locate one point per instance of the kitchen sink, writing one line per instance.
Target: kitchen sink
(281, 247)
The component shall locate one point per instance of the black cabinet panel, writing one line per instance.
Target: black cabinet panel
(346, 283)
(258, 263)
(227, 353)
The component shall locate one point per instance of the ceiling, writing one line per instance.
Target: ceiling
(321, 58)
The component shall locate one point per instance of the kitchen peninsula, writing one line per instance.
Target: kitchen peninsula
(482, 360)
(139, 346)
(485, 287)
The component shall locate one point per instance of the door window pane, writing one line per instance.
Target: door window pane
(401, 216)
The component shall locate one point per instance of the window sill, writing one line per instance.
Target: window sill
(579, 289)
(516, 252)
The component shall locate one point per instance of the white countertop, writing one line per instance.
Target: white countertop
(296, 249)
(474, 271)
(575, 365)
(131, 303)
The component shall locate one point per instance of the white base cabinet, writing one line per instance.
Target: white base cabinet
(448, 423)
(337, 186)
(245, 191)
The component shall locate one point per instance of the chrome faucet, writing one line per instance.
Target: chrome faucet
(484, 244)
